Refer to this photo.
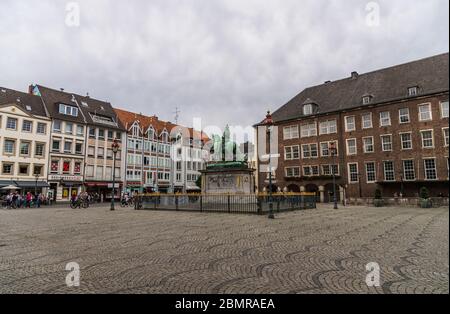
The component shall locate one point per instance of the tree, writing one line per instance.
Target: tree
(199, 182)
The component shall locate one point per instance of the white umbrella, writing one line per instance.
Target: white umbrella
(10, 187)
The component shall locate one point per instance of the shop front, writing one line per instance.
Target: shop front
(103, 191)
(63, 187)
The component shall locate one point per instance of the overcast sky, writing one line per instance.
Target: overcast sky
(225, 61)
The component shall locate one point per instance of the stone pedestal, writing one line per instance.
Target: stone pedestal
(228, 180)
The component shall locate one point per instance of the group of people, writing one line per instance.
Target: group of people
(28, 200)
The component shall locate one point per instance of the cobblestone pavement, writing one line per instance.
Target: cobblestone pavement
(315, 251)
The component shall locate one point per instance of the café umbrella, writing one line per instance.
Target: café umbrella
(10, 187)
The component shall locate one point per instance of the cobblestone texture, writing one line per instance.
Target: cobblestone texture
(316, 251)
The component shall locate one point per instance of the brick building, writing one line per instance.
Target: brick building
(390, 127)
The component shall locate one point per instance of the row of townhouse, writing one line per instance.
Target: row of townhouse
(390, 128)
(60, 144)
(161, 156)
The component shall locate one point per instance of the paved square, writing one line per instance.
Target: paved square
(315, 251)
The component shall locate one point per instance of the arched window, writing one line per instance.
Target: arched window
(164, 136)
(135, 130)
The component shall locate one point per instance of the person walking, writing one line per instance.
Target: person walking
(29, 198)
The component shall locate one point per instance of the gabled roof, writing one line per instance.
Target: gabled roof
(90, 107)
(128, 118)
(430, 75)
(23, 100)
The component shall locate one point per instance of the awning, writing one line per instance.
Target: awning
(31, 184)
(192, 188)
(4, 183)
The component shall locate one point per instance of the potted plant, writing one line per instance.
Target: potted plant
(378, 201)
(425, 201)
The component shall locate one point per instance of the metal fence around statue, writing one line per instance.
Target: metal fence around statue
(226, 203)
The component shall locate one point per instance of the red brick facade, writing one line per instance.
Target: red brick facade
(368, 180)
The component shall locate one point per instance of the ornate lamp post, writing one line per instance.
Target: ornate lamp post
(115, 149)
(269, 124)
(333, 152)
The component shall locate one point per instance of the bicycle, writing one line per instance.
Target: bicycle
(78, 204)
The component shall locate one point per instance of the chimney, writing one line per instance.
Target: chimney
(87, 94)
(354, 75)
(62, 89)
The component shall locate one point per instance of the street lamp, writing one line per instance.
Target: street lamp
(269, 124)
(333, 152)
(359, 184)
(36, 175)
(115, 149)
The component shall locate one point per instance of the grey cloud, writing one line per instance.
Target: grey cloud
(226, 61)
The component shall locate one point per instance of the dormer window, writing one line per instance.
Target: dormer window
(308, 110)
(164, 137)
(366, 100)
(309, 107)
(68, 110)
(151, 134)
(413, 91)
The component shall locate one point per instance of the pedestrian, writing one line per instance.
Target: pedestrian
(29, 198)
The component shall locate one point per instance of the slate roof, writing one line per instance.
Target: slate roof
(128, 118)
(87, 105)
(430, 75)
(23, 100)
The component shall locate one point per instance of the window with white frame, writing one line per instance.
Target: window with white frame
(351, 146)
(41, 128)
(11, 124)
(290, 132)
(430, 169)
(368, 144)
(293, 172)
(403, 116)
(309, 151)
(412, 91)
(385, 118)
(409, 172)
(350, 124)
(308, 109)
(353, 175)
(366, 100)
(68, 110)
(367, 121)
(328, 170)
(444, 109)
(325, 148)
(406, 139)
(292, 152)
(328, 127)
(307, 171)
(371, 174)
(446, 139)
(309, 130)
(27, 126)
(425, 112)
(427, 139)
(386, 143)
(90, 171)
(389, 171)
